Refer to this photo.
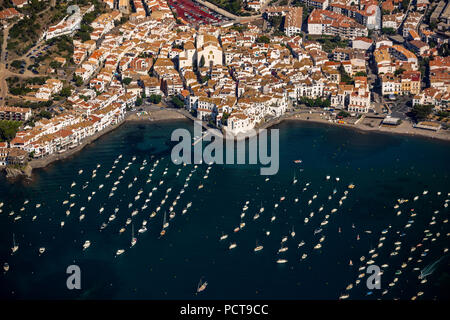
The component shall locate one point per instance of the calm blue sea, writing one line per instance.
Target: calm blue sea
(382, 167)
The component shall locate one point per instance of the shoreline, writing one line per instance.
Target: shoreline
(155, 116)
(167, 115)
(404, 129)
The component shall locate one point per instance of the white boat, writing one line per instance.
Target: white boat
(82, 217)
(294, 180)
(62, 224)
(258, 248)
(73, 184)
(282, 261)
(201, 286)
(328, 177)
(142, 229)
(282, 249)
(6, 267)
(111, 217)
(304, 256)
(318, 246)
(41, 250)
(133, 238)
(119, 252)
(273, 218)
(165, 223)
(223, 237)
(86, 244)
(301, 243)
(292, 232)
(15, 246)
(232, 246)
(38, 205)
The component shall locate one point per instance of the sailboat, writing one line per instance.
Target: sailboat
(258, 247)
(294, 181)
(133, 238)
(223, 236)
(292, 232)
(201, 286)
(165, 224)
(15, 246)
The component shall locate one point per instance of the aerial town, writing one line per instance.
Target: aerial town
(73, 69)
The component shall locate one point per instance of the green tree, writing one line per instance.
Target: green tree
(263, 39)
(66, 92)
(16, 64)
(421, 112)
(389, 31)
(78, 80)
(399, 71)
(343, 114)
(127, 81)
(177, 102)
(45, 114)
(360, 74)
(344, 75)
(55, 64)
(155, 98)
(8, 129)
(202, 62)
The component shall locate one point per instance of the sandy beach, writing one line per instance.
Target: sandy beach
(372, 125)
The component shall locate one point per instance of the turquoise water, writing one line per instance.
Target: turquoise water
(383, 167)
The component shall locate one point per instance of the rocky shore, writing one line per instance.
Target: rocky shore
(13, 173)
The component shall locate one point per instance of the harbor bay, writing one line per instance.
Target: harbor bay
(340, 200)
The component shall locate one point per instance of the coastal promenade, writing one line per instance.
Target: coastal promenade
(155, 113)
